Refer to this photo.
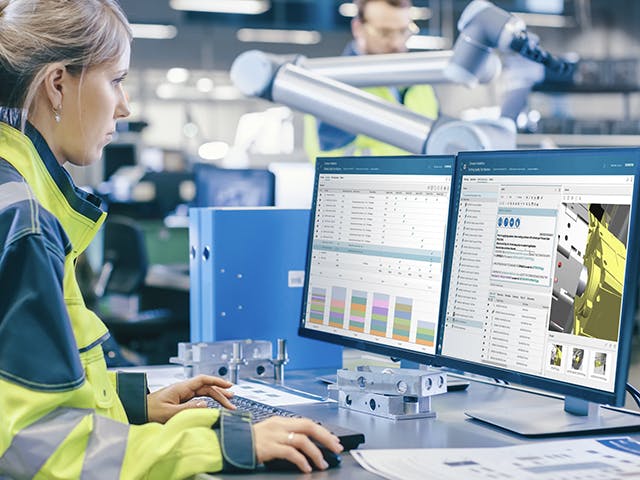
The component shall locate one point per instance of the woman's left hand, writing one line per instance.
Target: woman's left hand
(165, 403)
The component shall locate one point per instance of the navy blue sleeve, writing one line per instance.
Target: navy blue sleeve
(331, 137)
(37, 345)
(132, 390)
(235, 434)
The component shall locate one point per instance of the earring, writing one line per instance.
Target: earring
(56, 113)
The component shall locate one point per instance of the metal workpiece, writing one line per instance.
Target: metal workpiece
(235, 362)
(395, 407)
(396, 381)
(281, 359)
(248, 358)
(398, 393)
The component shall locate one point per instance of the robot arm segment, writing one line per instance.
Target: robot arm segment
(350, 109)
(484, 27)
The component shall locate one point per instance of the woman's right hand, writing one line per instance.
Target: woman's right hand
(290, 439)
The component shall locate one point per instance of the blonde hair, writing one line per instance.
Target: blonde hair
(36, 33)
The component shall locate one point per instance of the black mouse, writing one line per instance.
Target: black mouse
(333, 459)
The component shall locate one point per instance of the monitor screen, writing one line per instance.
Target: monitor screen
(376, 253)
(541, 282)
(118, 155)
(224, 187)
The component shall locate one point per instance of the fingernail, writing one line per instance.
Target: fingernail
(201, 404)
(307, 469)
(325, 465)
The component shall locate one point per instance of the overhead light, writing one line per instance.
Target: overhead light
(545, 20)
(427, 42)
(226, 92)
(153, 31)
(263, 35)
(178, 75)
(213, 150)
(545, 6)
(246, 7)
(166, 91)
(348, 10)
(421, 13)
(417, 13)
(204, 85)
(190, 130)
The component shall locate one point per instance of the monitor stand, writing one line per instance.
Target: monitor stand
(578, 416)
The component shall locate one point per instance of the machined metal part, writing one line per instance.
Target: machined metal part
(282, 358)
(396, 381)
(396, 393)
(252, 359)
(396, 407)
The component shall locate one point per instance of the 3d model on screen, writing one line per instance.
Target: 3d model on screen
(589, 270)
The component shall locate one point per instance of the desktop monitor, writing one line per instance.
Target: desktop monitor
(225, 187)
(118, 155)
(541, 280)
(376, 253)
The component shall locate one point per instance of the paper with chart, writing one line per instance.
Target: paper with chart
(587, 459)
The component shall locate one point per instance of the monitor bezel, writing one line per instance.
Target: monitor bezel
(364, 345)
(630, 291)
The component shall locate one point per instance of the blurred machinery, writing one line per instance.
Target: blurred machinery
(315, 86)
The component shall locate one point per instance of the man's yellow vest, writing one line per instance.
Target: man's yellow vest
(418, 98)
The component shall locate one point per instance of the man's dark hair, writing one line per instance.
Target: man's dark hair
(361, 4)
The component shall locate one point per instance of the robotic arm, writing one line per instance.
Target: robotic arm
(484, 27)
(303, 84)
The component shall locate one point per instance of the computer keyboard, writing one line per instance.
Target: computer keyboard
(350, 439)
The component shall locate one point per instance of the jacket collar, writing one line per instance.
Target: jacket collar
(78, 211)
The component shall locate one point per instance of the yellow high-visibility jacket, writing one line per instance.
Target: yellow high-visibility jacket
(62, 414)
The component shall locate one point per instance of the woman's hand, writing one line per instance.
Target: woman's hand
(165, 403)
(290, 439)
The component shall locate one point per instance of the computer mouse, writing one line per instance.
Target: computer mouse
(280, 464)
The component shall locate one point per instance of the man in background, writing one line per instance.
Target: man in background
(380, 26)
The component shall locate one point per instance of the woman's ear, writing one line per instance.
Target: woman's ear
(54, 84)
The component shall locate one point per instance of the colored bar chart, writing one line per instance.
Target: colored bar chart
(379, 314)
(426, 333)
(358, 309)
(318, 302)
(336, 311)
(402, 319)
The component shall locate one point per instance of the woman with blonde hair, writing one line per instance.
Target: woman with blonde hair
(63, 415)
